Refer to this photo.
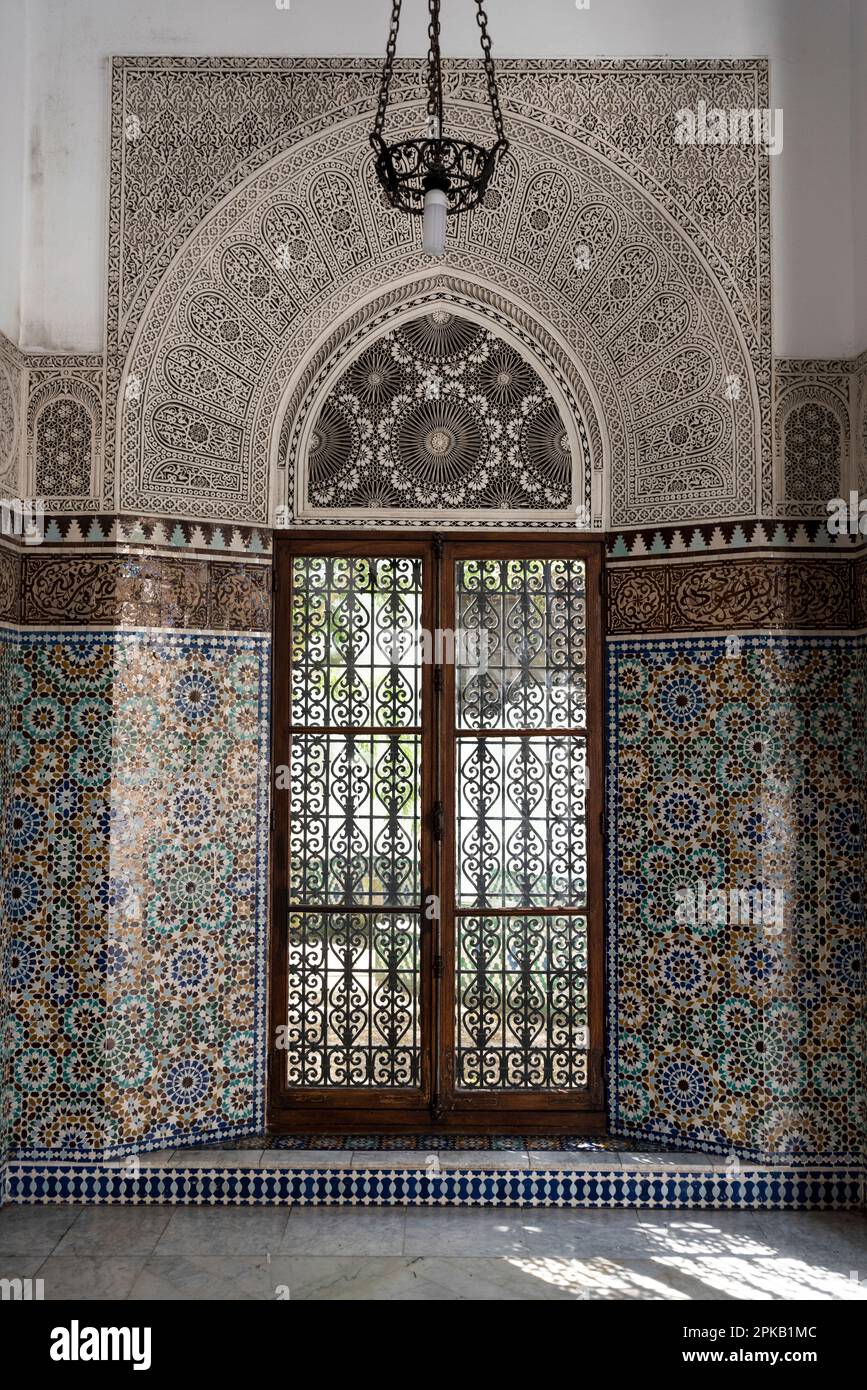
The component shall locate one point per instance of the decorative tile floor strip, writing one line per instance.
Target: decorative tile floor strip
(428, 1143)
(758, 1189)
(222, 1137)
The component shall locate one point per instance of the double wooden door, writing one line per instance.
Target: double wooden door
(436, 856)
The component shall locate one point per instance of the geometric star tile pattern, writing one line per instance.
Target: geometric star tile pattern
(737, 765)
(135, 889)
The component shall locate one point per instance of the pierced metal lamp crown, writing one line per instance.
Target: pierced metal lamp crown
(439, 175)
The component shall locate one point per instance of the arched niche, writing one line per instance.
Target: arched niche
(519, 433)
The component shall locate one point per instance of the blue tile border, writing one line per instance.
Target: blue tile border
(758, 1189)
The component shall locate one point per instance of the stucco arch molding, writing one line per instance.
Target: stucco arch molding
(608, 293)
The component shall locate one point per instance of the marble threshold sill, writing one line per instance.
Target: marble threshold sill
(471, 1161)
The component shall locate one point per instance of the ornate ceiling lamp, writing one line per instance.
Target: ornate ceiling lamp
(438, 175)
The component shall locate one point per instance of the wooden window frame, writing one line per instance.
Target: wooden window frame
(434, 1105)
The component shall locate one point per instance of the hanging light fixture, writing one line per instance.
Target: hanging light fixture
(438, 175)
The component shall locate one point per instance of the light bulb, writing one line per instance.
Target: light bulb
(436, 206)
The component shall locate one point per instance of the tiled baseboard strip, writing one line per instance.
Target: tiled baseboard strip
(752, 1189)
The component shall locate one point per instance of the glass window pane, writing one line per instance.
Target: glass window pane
(354, 819)
(353, 1000)
(356, 641)
(522, 659)
(521, 835)
(521, 1003)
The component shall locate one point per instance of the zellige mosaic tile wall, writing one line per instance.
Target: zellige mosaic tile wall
(135, 818)
(137, 838)
(737, 763)
(7, 649)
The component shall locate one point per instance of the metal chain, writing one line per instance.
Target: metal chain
(390, 50)
(435, 72)
(493, 94)
(435, 77)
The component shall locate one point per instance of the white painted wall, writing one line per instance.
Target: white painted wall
(859, 166)
(13, 146)
(64, 62)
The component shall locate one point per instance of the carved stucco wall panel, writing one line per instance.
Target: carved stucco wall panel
(298, 246)
(713, 204)
(187, 131)
(189, 134)
(802, 593)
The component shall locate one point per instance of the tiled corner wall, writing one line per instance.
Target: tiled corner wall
(7, 651)
(136, 861)
(738, 771)
(736, 760)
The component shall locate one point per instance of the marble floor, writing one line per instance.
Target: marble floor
(419, 1253)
